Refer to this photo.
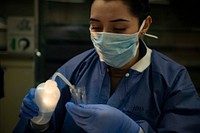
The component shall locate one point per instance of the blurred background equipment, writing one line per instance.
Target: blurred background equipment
(20, 34)
(3, 30)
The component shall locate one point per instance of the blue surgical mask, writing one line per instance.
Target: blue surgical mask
(114, 49)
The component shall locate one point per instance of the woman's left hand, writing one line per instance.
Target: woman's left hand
(101, 118)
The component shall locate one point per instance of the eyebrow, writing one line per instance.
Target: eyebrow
(119, 20)
(96, 20)
(115, 20)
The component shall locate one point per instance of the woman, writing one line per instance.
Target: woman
(129, 87)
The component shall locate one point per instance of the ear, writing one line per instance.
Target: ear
(147, 25)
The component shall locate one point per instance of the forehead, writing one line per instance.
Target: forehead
(108, 10)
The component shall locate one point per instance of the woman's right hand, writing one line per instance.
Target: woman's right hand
(29, 108)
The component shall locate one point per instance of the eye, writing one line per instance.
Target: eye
(119, 30)
(96, 29)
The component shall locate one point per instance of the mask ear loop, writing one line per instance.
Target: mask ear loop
(146, 34)
(142, 25)
(150, 35)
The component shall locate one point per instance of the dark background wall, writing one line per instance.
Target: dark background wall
(178, 29)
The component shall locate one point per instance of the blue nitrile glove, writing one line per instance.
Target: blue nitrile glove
(29, 109)
(100, 118)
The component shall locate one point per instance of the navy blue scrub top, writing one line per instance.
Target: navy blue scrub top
(156, 92)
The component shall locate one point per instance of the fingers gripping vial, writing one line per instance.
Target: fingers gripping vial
(47, 95)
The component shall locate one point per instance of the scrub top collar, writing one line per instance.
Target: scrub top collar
(145, 61)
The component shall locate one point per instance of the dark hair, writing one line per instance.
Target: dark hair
(138, 8)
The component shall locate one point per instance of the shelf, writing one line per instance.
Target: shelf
(15, 55)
